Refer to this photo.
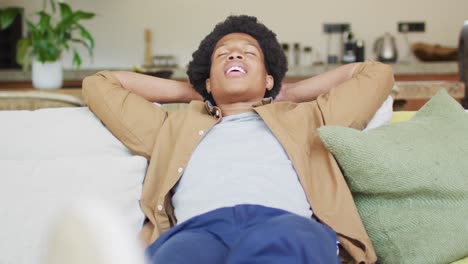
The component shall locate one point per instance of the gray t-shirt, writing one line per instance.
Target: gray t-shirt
(239, 161)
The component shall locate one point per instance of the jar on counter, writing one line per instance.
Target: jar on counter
(306, 59)
(285, 47)
(297, 54)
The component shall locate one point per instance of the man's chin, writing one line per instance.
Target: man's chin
(235, 87)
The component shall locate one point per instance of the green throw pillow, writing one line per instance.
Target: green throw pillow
(410, 182)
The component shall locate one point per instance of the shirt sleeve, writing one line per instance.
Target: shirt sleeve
(131, 118)
(354, 102)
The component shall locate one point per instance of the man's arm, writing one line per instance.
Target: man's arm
(156, 89)
(346, 96)
(121, 100)
(354, 102)
(309, 89)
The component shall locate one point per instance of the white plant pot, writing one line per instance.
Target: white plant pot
(48, 75)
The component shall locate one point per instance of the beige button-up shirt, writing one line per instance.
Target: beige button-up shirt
(167, 140)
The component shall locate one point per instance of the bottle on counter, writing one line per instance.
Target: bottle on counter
(148, 52)
(297, 54)
(349, 51)
(360, 51)
(285, 47)
(306, 59)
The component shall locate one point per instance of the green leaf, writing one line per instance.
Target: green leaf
(34, 33)
(44, 22)
(7, 17)
(87, 36)
(65, 10)
(76, 59)
(83, 15)
(32, 27)
(47, 50)
(65, 44)
(52, 4)
(65, 26)
(22, 48)
(85, 44)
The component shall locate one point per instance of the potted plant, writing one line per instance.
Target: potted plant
(48, 38)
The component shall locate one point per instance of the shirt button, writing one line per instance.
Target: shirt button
(201, 132)
(160, 207)
(180, 170)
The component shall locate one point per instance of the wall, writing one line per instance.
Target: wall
(179, 25)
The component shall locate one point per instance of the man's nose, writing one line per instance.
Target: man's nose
(235, 55)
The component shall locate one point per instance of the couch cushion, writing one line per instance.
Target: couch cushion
(52, 159)
(50, 133)
(410, 182)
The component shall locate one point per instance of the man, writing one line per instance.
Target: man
(239, 178)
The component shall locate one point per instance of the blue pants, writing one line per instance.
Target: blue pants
(246, 234)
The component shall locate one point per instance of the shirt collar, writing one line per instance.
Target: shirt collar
(216, 112)
(264, 101)
(213, 110)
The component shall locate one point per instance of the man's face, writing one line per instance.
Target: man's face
(238, 72)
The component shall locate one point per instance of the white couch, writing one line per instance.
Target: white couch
(55, 159)
(50, 161)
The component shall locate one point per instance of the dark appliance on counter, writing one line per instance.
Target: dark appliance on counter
(463, 60)
(360, 51)
(8, 39)
(349, 48)
(353, 50)
(335, 40)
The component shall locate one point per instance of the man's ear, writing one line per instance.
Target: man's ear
(270, 82)
(208, 85)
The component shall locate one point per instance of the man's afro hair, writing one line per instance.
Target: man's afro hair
(275, 59)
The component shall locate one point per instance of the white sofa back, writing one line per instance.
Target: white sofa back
(51, 159)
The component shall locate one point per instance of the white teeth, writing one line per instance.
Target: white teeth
(235, 68)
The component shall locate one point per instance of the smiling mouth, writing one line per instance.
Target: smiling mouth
(235, 71)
